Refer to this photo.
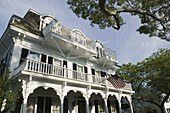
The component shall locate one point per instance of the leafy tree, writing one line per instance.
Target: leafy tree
(150, 78)
(153, 14)
(6, 95)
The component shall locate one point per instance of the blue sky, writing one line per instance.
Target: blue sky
(129, 45)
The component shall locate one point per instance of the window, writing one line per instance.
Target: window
(99, 106)
(93, 71)
(85, 69)
(80, 74)
(80, 68)
(112, 106)
(103, 74)
(34, 56)
(2, 66)
(24, 54)
(43, 58)
(55, 105)
(74, 70)
(86, 73)
(99, 52)
(44, 105)
(57, 63)
(65, 71)
(97, 73)
(65, 105)
(50, 60)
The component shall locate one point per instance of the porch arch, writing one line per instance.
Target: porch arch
(126, 104)
(113, 104)
(75, 91)
(43, 100)
(97, 103)
(31, 89)
(75, 101)
(97, 92)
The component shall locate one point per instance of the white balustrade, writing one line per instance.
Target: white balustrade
(48, 69)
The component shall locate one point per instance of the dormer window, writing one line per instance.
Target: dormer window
(78, 36)
(99, 49)
(45, 20)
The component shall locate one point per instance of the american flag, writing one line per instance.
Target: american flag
(116, 81)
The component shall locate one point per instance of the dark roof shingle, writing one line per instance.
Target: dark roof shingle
(29, 23)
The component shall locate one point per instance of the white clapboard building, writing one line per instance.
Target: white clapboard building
(59, 70)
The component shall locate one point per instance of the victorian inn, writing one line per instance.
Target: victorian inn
(59, 70)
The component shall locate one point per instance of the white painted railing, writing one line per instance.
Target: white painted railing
(48, 69)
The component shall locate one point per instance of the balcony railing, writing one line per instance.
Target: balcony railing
(75, 36)
(48, 69)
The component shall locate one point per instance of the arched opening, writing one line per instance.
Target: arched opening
(125, 105)
(96, 103)
(43, 101)
(74, 102)
(112, 104)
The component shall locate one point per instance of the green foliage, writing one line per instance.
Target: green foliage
(6, 95)
(153, 14)
(89, 9)
(150, 78)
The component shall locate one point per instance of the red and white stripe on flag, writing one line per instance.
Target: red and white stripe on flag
(116, 81)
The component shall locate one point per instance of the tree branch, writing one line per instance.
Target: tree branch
(108, 14)
(113, 13)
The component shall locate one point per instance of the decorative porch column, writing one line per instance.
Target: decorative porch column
(25, 95)
(106, 108)
(62, 105)
(24, 105)
(130, 102)
(120, 108)
(87, 105)
(131, 108)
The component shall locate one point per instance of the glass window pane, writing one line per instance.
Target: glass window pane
(80, 68)
(34, 56)
(24, 54)
(57, 62)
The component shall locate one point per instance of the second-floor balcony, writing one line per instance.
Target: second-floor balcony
(61, 72)
(68, 40)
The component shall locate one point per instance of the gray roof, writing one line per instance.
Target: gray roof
(29, 23)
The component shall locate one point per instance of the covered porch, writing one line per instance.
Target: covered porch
(48, 97)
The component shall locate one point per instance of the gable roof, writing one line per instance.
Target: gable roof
(29, 23)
